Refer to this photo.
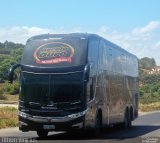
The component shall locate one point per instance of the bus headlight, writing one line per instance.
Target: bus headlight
(24, 115)
(76, 115)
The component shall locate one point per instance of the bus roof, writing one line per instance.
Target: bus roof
(79, 36)
(60, 36)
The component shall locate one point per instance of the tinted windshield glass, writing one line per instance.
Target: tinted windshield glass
(45, 89)
(64, 88)
(55, 53)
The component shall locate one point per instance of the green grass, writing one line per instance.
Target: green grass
(8, 117)
(149, 107)
(149, 102)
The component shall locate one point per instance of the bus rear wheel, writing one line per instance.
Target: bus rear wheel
(42, 133)
(127, 121)
(97, 128)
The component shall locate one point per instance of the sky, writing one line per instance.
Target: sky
(133, 25)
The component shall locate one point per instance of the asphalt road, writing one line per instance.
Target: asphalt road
(146, 129)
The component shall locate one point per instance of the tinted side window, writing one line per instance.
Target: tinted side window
(93, 55)
(102, 55)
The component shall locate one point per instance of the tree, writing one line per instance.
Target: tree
(146, 63)
(10, 53)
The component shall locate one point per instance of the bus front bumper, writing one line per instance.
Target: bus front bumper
(29, 122)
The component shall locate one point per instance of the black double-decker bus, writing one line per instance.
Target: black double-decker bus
(75, 81)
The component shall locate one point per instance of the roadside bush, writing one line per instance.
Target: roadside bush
(12, 88)
(150, 78)
(150, 92)
(148, 98)
(2, 96)
(141, 93)
(8, 89)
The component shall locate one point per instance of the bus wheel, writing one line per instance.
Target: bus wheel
(127, 121)
(42, 133)
(97, 128)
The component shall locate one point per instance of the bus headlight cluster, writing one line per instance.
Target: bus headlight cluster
(77, 114)
(24, 115)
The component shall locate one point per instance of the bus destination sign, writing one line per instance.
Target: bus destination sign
(52, 53)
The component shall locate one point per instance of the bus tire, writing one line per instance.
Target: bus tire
(42, 133)
(97, 128)
(127, 120)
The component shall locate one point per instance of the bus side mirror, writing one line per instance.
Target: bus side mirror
(86, 73)
(11, 72)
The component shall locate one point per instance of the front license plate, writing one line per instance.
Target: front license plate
(47, 127)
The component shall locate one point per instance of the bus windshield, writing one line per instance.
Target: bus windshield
(55, 53)
(43, 89)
